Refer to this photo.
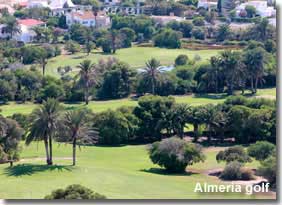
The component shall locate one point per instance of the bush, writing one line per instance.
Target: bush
(236, 153)
(268, 170)
(261, 150)
(235, 171)
(75, 191)
(181, 60)
(175, 154)
(199, 21)
(198, 33)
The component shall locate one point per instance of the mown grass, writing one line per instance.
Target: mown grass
(118, 172)
(134, 56)
(98, 106)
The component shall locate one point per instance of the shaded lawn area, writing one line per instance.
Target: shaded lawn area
(99, 106)
(134, 56)
(124, 172)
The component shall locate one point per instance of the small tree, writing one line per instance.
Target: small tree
(181, 60)
(261, 150)
(175, 154)
(75, 191)
(72, 47)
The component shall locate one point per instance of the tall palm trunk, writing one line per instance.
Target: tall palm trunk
(51, 151)
(86, 95)
(153, 84)
(252, 85)
(74, 151)
(47, 151)
(256, 84)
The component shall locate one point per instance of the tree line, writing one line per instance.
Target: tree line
(155, 118)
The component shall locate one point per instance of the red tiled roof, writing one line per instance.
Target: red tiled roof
(84, 15)
(30, 22)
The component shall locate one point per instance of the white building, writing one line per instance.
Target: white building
(261, 8)
(207, 4)
(112, 2)
(26, 34)
(163, 20)
(88, 19)
(37, 3)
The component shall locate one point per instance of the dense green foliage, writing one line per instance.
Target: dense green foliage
(174, 154)
(236, 153)
(74, 191)
(261, 150)
(235, 171)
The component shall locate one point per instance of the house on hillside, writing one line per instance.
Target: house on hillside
(207, 4)
(163, 20)
(37, 3)
(87, 18)
(112, 2)
(26, 34)
(262, 8)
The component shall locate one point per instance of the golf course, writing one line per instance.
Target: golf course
(135, 57)
(124, 172)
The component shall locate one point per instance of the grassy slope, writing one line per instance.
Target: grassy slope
(135, 57)
(98, 106)
(117, 172)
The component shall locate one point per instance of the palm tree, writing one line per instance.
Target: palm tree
(12, 26)
(232, 67)
(42, 59)
(152, 71)
(88, 76)
(254, 60)
(77, 128)
(180, 113)
(44, 124)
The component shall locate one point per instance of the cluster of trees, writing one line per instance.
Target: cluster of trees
(238, 70)
(235, 158)
(251, 68)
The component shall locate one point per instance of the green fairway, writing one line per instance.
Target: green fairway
(117, 172)
(98, 106)
(135, 57)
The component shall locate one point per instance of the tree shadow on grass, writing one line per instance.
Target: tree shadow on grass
(164, 172)
(212, 96)
(29, 169)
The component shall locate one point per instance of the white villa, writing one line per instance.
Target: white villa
(261, 7)
(26, 25)
(207, 4)
(163, 20)
(88, 19)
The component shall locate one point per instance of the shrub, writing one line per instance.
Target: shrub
(198, 33)
(75, 191)
(175, 154)
(246, 174)
(236, 153)
(268, 170)
(181, 60)
(199, 21)
(261, 150)
(235, 171)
